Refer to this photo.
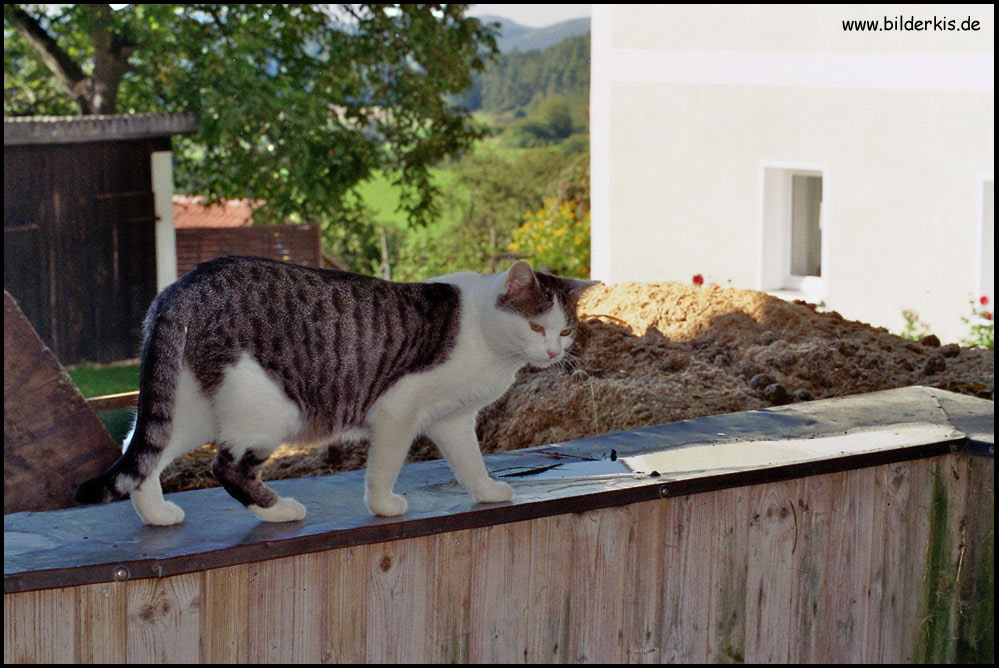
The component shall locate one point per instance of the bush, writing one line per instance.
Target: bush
(555, 239)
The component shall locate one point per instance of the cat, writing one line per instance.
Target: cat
(250, 353)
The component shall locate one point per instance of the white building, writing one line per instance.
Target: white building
(771, 147)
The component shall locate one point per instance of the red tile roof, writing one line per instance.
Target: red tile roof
(191, 211)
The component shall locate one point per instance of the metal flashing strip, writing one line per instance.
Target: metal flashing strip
(106, 543)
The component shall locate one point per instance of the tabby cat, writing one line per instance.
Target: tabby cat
(251, 353)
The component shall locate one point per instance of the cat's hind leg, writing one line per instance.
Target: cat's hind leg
(254, 416)
(240, 476)
(191, 426)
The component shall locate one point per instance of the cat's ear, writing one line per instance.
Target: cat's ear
(520, 281)
(578, 286)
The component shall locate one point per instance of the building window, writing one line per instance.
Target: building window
(806, 225)
(791, 231)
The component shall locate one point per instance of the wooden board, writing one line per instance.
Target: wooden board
(52, 441)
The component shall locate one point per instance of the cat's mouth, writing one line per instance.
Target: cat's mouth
(547, 362)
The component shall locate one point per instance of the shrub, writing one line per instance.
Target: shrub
(555, 239)
(982, 326)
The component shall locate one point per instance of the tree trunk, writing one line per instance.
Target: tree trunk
(96, 93)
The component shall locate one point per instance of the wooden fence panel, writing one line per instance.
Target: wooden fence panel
(652, 580)
(551, 603)
(453, 612)
(41, 628)
(348, 617)
(225, 618)
(729, 577)
(644, 588)
(162, 618)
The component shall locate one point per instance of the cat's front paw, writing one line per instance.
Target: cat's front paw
(285, 510)
(386, 506)
(492, 491)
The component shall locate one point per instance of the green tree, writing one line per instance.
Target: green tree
(556, 237)
(523, 78)
(491, 193)
(297, 104)
(554, 113)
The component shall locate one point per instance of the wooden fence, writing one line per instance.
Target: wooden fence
(884, 555)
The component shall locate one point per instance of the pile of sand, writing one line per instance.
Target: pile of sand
(652, 353)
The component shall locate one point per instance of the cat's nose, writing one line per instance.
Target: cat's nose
(551, 354)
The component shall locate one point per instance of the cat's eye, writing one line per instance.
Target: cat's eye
(537, 328)
(566, 332)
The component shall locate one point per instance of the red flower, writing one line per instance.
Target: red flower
(987, 315)
(983, 300)
(698, 279)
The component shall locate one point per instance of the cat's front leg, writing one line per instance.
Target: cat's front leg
(455, 436)
(390, 441)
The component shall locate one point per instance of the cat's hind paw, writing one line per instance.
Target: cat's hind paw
(386, 506)
(492, 491)
(159, 515)
(285, 510)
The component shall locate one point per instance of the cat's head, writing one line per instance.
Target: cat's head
(535, 314)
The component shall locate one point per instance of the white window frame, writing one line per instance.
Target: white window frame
(774, 243)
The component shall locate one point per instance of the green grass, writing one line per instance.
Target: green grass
(97, 381)
(381, 196)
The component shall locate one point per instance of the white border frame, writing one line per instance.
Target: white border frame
(979, 241)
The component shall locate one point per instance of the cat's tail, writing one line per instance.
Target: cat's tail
(165, 332)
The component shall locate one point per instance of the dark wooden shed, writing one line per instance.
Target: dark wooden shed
(79, 226)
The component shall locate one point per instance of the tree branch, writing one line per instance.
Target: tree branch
(55, 58)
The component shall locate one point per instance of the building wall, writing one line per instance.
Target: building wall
(692, 105)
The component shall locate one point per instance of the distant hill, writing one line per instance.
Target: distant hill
(516, 37)
(519, 80)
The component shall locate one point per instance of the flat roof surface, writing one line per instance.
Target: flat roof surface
(105, 543)
(28, 130)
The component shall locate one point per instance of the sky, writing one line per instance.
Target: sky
(535, 16)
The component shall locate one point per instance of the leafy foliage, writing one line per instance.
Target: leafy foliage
(915, 328)
(981, 324)
(556, 237)
(551, 123)
(490, 193)
(297, 103)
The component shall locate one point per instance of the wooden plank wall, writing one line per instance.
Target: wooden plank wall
(299, 244)
(882, 564)
(80, 243)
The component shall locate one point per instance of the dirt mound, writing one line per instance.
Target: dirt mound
(652, 353)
